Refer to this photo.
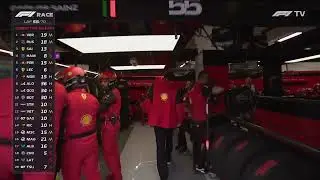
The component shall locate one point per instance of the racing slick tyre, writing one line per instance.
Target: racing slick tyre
(222, 129)
(242, 153)
(221, 145)
(273, 166)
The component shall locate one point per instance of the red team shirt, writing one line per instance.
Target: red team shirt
(197, 103)
(80, 118)
(59, 103)
(114, 109)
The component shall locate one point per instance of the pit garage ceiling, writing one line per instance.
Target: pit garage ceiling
(204, 39)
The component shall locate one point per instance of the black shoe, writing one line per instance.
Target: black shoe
(169, 161)
(198, 169)
(178, 147)
(183, 150)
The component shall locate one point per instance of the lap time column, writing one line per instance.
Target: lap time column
(33, 38)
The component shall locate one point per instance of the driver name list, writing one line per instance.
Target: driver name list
(33, 42)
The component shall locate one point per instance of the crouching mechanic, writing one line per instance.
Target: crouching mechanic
(110, 101)
(80, 150)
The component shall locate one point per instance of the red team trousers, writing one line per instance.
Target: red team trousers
(110, 134)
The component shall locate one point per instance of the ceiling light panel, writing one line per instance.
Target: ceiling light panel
(122, 43)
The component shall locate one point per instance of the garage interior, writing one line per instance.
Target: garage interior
(231, 40)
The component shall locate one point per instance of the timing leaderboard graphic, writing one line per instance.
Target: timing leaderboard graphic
(33, 38)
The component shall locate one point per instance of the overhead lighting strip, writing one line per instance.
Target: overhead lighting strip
(66, 66)
(7, 52)
(290, 36)
(138, 67)
(110, 44)
(304, 59)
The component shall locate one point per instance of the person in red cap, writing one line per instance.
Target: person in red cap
(6, 129)
(163, 117)
(110, 100)
(198, 97)
(80, 154)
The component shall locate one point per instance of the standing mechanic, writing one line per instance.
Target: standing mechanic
(6, 129)
(80, 150)
(198, 98)
(110, 114)
(181, 105)
(59, 102)
(163, 118)
(61, 96)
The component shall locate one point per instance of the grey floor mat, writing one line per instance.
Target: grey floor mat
(181, 168)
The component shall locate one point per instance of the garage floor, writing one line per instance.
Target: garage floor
(138, 158)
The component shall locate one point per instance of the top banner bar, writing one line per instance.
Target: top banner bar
(204, 11)
(219, 12)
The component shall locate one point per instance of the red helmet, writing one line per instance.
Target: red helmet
(72, 72)
(107, 75)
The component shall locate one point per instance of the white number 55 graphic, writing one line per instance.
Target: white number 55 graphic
(186, 8)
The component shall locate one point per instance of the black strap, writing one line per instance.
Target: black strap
(198, 124)
(82, 135)
(5, 141)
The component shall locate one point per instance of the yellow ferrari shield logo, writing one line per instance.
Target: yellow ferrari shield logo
(86, 120)
(23, 48)
(164, 96)
(84, 96)
(69, 74)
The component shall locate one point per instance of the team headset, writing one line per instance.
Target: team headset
(76, 82)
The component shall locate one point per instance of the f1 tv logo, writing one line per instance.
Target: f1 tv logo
(25, 14)
(288, 13)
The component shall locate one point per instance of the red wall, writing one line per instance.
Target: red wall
(297, 81)
(293, 82)
(296, 128)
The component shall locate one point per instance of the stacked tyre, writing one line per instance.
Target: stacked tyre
(256, 158)
(273, 166)
(238, 155)
(242, 152)
(225, 137)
